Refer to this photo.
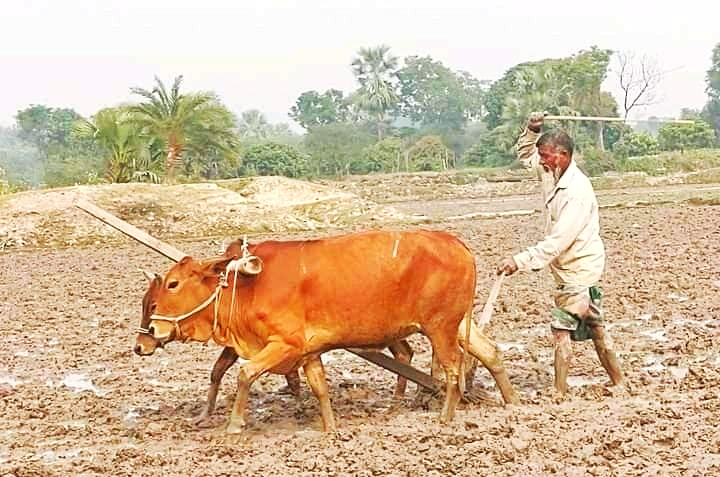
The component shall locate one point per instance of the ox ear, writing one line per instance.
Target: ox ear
(215, 266)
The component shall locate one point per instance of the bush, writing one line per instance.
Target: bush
(383, 156)
(635, 144)
(486, 154)
(679, 137)
(596, 162)
(273, 159)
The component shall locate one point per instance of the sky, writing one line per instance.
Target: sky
(86, 55)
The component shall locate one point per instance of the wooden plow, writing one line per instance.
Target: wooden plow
(376, 357)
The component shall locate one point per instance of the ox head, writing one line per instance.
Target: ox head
(145, 343)
(183, 304)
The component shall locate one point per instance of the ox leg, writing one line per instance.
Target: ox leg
(315, 375)
(224, 362)
(402, 351)
(293, 383)
(446, 350)
(274, 355)
(484, 349)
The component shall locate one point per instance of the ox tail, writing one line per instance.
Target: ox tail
(466, 340)
(465, 351)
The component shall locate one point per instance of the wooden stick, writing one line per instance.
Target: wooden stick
(397, 367)
(488, 308)
(614, 119)
(130, 230)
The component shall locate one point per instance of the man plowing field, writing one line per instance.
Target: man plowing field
(572, 248)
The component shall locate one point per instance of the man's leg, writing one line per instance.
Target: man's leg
(563, 355)
(603, 346)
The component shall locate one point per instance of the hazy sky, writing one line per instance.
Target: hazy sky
(86, 55)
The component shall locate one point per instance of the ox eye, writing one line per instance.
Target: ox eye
(151, 330)
(172, 284)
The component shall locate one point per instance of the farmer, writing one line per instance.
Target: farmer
(572, 247)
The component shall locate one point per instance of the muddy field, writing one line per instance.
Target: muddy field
(75, 399)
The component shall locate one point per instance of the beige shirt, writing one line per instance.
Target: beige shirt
(572, 246)
(527, 154)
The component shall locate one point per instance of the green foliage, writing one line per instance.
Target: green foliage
(78, 162)
(193, 122)
(429, 153)
(45, 127)
(433, 96)
(635, 144)
(336, 149)
(272, 159)
(383, 156)
(680, 137)
(566, 86)
(374, 69)
(672, 162)
(21, 161)
(596, 162)
(486, 154)
(128, 153)
(711, 111)
(315, 109)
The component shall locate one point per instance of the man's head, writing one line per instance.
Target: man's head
(555, 149)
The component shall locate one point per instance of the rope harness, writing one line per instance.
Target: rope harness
(214, 298)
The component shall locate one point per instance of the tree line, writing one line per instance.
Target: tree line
(409, 115)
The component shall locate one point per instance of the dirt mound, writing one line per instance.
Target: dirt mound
(284, 192)
(185, 211)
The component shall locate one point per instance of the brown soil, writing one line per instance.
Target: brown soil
(76, 400)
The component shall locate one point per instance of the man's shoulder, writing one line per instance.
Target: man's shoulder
(579, 184)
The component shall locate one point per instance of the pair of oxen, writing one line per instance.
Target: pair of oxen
(280, 304)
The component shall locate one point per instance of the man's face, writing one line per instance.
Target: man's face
(553, 159)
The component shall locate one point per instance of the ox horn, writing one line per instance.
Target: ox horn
(148, 275)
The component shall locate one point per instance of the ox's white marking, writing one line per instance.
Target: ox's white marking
(395, 249)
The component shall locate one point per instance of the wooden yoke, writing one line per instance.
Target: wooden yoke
(376, 357)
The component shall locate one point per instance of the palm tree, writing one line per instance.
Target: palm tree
(130, 155)
(253, 124)
(374, 69)
(185, 122)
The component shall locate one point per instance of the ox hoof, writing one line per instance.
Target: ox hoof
(203, 420)
(234, 427)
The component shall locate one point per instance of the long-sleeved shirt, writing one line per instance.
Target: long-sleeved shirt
(527, 154)
(572, 246)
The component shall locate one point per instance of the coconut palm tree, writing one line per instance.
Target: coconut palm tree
(185, 122)
(253, 124)
(374, 69)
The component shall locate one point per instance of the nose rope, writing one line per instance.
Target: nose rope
(177, 319)
(235, 266)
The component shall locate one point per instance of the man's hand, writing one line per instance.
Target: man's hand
(508, 267)
(536, 120)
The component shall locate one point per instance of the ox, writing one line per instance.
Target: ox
(145, 345)
(292, 301)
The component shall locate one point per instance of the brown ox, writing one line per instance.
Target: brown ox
(146, 345)
(292, 301)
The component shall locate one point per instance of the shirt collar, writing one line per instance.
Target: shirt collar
(564, 181)
(566, 178)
